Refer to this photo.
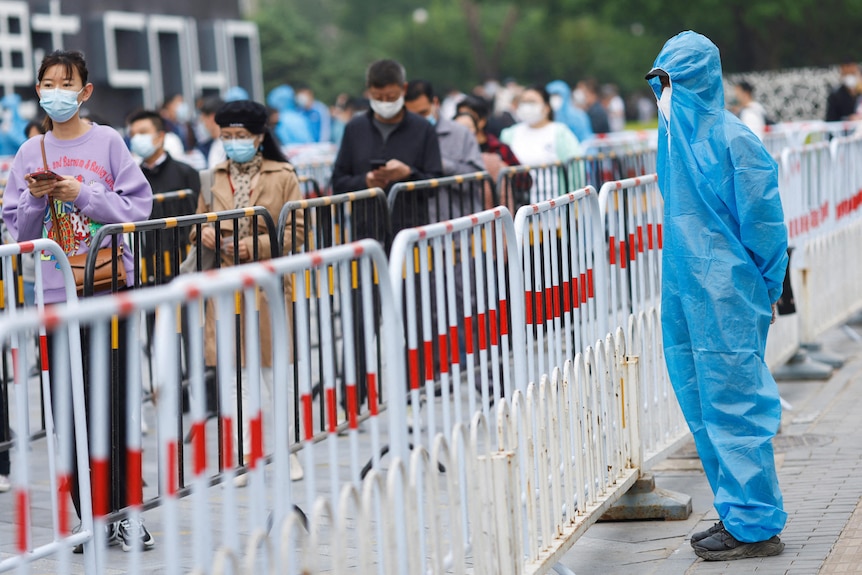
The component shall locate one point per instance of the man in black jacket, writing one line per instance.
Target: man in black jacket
(165, 174)
(842, 102)
(387, 145)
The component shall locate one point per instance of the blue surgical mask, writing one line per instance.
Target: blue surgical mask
(142, 145)
(60, 105)
(240, 151)
(432, 119)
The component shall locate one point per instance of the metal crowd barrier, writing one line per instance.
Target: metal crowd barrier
(68, 406)
(632, 218)
(424, 202)
(519, 186)
(309, 187)
(169, 243)
(561, 248)
(320, 172)
(335, 220)
(463, 315)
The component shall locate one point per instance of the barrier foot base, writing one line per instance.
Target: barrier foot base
(852, 333)
(802, 367)
(645, 501)
(818, 354)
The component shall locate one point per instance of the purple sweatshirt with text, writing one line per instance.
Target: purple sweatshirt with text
(113, 190)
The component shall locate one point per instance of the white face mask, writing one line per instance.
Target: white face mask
(579, 97)
(664, 102)
(387, 110)
(850, 81)
(556, 102)
(531, 112)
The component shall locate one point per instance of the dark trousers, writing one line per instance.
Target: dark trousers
(116, 414)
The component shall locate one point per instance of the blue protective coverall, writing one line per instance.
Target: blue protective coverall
(576, 119)
(725, 254)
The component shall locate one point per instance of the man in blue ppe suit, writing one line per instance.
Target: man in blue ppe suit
(725, 254)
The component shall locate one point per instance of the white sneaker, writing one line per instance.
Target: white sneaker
(240, 481)
(6, 486)
(296, 472)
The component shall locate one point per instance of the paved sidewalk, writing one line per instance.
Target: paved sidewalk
(819, 457)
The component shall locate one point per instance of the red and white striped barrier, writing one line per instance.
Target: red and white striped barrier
(468, 298)
(68, 414)
(561, 247)
(632, 214)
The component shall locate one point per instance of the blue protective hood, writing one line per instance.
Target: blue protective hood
(281, 98)
(693, 63)
(560, 88)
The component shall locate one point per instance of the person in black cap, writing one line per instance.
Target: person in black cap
(256, 173)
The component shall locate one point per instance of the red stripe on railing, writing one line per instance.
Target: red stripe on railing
(660, 236)
(453, 338)
(256, 429)
(64, 486)
(199, 447)
(331, 412)
(576, 298)
(226, 442)
(623, 255)
(612, 243)
(23, 508)
(584, 290)
(556, 296)
(492, 318)
(429, 361)
(444, 353)
(549, 304)
(371, 379)
(640, 239)
(134, 478)
(352, 406)
(504, 317)
(591, 291)
(483, 331)
(650, 244)
(540, 316)
(307, 419)
(172, 477)
(413, 361)
(43, 351)
(632, 246)
(567, 298)
(99, 471)
(468, 333)
(528, 296)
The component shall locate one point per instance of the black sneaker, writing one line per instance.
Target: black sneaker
(133, 532)
(111, 534)
(722, 546)
(695, 537)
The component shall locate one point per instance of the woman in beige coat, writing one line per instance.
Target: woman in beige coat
(256, 173)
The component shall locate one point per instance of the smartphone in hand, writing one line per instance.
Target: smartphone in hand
(45, 175)
(377, 164)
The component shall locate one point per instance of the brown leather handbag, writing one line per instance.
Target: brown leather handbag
(103, 273)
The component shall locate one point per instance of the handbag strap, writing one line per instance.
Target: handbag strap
(55, 219)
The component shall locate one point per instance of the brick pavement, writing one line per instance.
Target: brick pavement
(820, 470)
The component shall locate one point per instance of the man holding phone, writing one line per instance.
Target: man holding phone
(388, 144)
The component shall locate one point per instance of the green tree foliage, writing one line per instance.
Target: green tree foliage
(459, 43)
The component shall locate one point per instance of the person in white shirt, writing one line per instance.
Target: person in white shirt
(537, 140)
(751, 112)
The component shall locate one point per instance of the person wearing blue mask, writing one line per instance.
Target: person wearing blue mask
(292, 127)
(256, 173)
(724, 258)
(567, 113)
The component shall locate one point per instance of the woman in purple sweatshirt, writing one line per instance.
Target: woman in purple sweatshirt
(101, 184)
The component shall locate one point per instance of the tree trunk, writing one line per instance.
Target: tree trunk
(487, 66)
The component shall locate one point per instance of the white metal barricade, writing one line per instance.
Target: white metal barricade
(464, 313)
(632, 212)
(69, 406)
(561, 247)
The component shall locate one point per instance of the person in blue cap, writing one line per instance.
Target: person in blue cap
(725, 254)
